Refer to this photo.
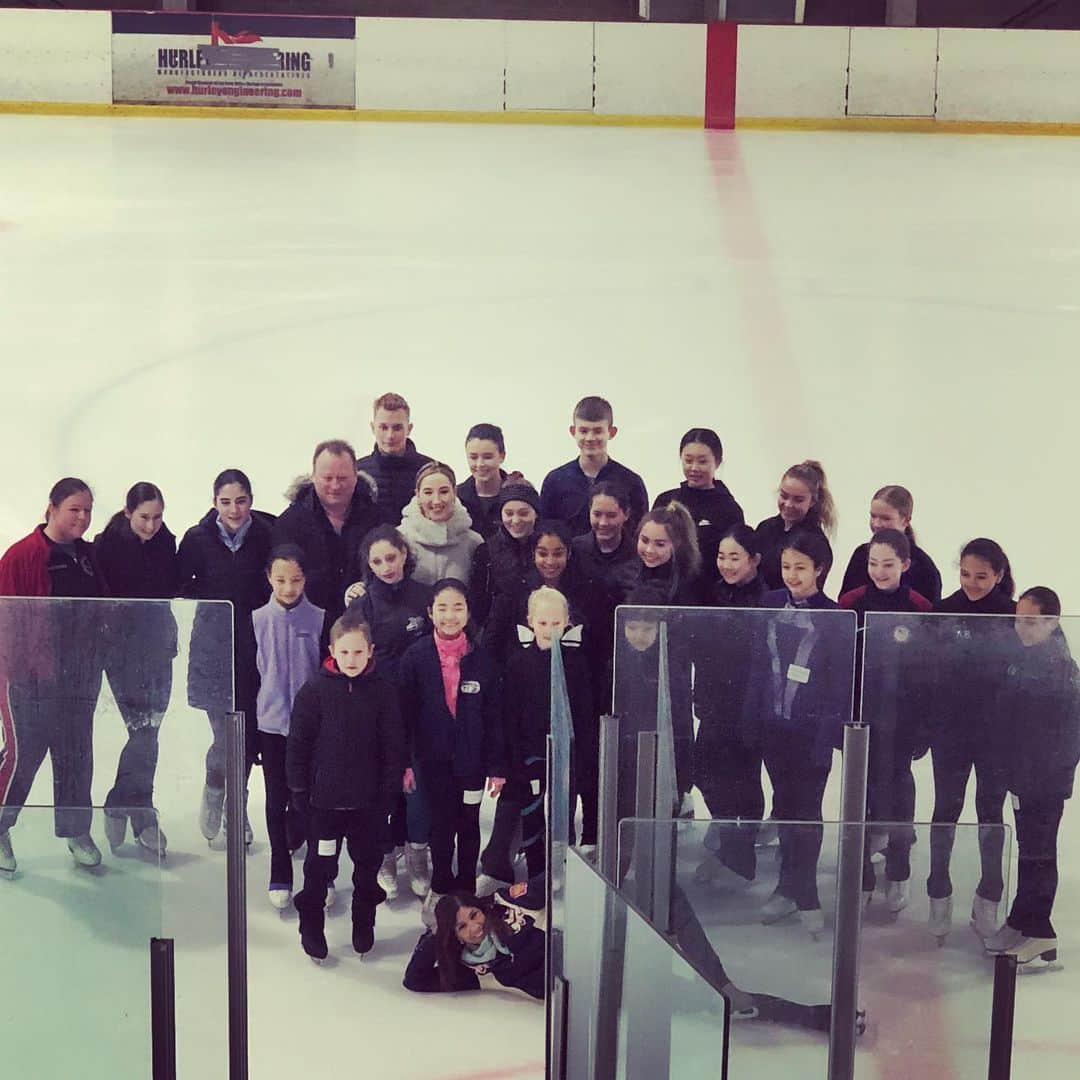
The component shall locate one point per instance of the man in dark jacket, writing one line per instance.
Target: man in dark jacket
(328, 517)
(394, 461)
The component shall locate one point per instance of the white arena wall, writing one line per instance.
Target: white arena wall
(623, 72)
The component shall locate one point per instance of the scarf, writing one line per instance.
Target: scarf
(795, 614)
(233, 541)
(450, 651)
(484, 953)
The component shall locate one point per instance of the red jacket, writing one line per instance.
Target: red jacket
(25, 637)
(24, 568)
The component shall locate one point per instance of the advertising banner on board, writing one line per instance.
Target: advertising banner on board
(165, 58)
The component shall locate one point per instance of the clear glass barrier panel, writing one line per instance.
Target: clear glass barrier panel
(638, 1009)
(770, 942)
(75, 949)
(121, 704)
(742, 682)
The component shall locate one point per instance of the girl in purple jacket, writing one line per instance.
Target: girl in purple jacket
(287, 634)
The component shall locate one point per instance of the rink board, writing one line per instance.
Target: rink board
(718, 76)
(267, 61)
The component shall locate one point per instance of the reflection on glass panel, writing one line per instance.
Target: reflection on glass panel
(638, 1009)
(121, 704)
(75, 937)
(745, 685)
(994, 700)
(755, 940)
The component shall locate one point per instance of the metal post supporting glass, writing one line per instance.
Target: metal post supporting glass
(235, 794)
(845, 976)
(560, 743)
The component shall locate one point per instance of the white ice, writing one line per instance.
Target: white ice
(177, 296)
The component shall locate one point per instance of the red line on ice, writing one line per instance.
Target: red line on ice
(534, 1068)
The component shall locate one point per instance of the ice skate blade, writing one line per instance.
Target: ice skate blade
(8, 875)
(1048, 957)
(1040, 966)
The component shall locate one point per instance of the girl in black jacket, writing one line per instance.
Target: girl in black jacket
(971, 665)
(395, 605)
(708, 500)
(805, 503)
(891, 660)
(798, 697)
(551, 563)
(501, 563)
(607, 554)
(450, 705)
(224, 558)
(527, 722)
(668, 555)
(727, 763)
(635, 698)
(136, 557)
(591, 609)
(478, 945)
(1038, 723)
(891, 508)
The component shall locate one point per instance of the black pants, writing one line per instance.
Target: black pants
(58, 720)
(364, 832)
(142, 694)
(498, 856)
(398, 833)
(798, 789)
(953, 761)
(728, 774)
(532, 792)
(1037, 822)
(585, 779)
(892, 800)
(454, 804)
(285, 825)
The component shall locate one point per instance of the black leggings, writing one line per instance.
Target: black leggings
(798, 788)
(285, 825)
(953, 762)
(728, 774)
(454, 804)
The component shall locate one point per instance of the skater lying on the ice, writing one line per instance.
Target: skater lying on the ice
(478, 945)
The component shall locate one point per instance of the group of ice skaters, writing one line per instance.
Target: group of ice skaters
(392, 638)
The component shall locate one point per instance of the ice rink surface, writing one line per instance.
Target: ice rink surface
(181, 296)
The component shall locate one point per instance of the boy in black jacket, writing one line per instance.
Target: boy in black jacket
(345, 761)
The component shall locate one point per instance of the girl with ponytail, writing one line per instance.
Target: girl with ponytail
(667, 547)
(891, 508)
(805, 503)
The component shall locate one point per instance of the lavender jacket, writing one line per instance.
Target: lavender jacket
(287, 655)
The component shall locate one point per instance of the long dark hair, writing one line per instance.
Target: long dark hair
(391, 536)
(990, 551)
(446, 940)
(814, 546)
